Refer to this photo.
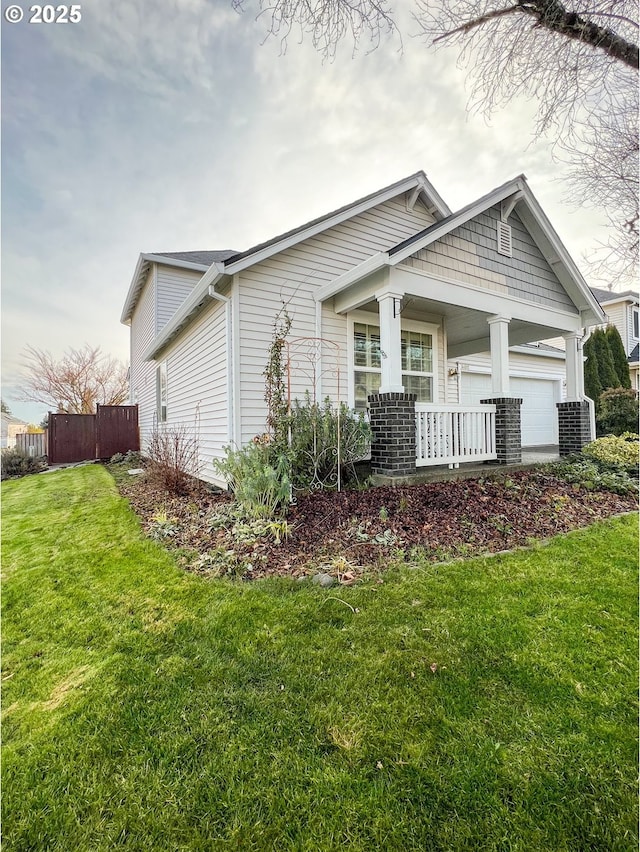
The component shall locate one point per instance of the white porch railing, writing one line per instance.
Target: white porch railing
(451, 434)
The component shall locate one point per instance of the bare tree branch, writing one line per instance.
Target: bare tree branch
(77, 382)
(327, 22)
(578, 63)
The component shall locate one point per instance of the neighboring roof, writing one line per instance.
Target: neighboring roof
(634, 355)
(605, 296)
(236, 261)
(9, 420)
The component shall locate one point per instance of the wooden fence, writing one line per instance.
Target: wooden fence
(85, 437)
(33, 445)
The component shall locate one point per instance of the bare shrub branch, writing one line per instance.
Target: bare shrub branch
(77, 382)
(174, 459)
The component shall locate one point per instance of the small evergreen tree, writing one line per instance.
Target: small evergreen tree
(592, 386)
(619, 356)
(604, 359)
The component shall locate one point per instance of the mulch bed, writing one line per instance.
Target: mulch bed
(343, 534)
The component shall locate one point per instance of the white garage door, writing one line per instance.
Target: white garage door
(539, 414)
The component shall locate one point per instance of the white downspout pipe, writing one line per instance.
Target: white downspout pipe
(588, 400)
(213, 293)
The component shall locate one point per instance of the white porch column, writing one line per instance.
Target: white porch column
(574, 366)
(499, 338)
(389, 307)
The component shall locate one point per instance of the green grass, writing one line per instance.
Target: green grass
(487, 704)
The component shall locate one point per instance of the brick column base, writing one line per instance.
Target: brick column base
(393, 426)
(508, 431)
(574, 426)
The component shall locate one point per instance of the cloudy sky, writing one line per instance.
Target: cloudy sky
(171, 126)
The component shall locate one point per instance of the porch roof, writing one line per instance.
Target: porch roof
(452, 298)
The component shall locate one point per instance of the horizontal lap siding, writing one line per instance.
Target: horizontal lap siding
(197, 385)
(173, 287)
(291, 277)
(142, 380)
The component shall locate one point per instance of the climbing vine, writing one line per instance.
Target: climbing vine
(275, 393)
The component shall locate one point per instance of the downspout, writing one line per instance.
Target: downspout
(587, 399)
(213, 293)
(318, 331)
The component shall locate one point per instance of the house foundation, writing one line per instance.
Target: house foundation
(574, 426)
(508, 429)
(393, 425)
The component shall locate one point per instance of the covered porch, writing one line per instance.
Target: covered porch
(412, 433)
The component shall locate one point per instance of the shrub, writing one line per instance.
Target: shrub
(614, 451)
(593, 475)
(15, 464)
(174, 459)
(617, 412)
(325, 441)
(260, 483)
(133, 458)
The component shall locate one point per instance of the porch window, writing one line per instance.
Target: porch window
(417, 363)
(161, 392)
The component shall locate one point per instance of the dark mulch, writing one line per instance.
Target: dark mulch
(341, 533)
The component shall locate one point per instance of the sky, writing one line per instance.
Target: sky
(175, 126)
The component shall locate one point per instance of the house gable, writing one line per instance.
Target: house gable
(470, 253)
(312, 255)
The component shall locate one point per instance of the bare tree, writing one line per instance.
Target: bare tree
(77, 382)
(579, 64)
(327, 22)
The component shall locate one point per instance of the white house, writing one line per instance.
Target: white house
(405, 296)
(11, 426)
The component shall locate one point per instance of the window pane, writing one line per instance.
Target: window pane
(360, 345)
(636, 324)
(417, 352)
(366, 345)
(422, 386)
(365, 385)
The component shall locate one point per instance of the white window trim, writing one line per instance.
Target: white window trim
(162, 369)
(635, 312)
(373, 318)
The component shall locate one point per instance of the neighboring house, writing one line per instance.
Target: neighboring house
(11, 427)
(407, 296)
(623, 310)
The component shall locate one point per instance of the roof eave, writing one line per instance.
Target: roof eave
(139, 277)
(319, 225)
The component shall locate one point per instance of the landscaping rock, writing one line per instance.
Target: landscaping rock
(325, 581)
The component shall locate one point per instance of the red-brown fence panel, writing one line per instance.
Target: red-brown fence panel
(117, 430)
(72, 438)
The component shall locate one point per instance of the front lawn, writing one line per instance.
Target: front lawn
(484, 704)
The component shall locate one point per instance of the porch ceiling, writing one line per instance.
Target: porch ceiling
(466, 328)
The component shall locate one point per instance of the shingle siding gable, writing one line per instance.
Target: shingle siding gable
(470, 253)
